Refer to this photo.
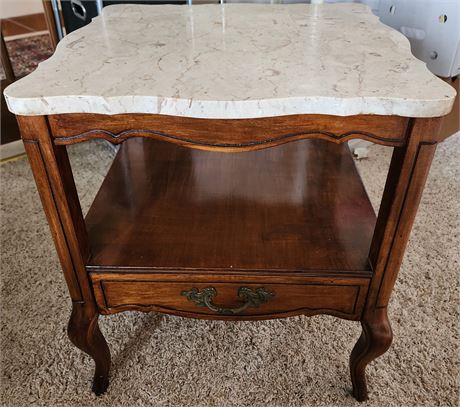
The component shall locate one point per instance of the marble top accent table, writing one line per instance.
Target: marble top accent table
(181, 226)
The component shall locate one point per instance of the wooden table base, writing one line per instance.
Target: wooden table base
(262, 234)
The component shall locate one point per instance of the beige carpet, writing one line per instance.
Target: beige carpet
(170, 361)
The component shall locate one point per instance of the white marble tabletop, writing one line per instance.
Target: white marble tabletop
(233, 61)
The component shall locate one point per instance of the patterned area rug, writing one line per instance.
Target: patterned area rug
(26, 53)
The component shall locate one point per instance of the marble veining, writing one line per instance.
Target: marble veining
(233, 61)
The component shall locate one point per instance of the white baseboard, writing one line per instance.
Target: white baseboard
(10, 150)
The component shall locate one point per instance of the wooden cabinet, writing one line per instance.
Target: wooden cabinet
(265, 233)
(233, 195)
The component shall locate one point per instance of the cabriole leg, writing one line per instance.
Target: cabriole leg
(374, 341)
(85, 334)
(406, 179)
(53, 175)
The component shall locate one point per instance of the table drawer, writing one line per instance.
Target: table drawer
(233, 300)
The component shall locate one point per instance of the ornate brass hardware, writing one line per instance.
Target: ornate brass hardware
(204, 298)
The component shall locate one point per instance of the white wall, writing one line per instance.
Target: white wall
(14, 8)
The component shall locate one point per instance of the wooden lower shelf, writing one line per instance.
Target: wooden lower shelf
(299, 207)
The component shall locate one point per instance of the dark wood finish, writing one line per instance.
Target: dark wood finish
(407, 175)
(374, 341)
(6, 62)
(451, 122)
(292, 295)
(293, 221)
(405, 182)
(225, 134)
(56, 187)
(166, 207)
(84, 332)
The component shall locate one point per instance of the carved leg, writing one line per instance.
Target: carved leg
(84, 333)
(374, 341)
(53, 175)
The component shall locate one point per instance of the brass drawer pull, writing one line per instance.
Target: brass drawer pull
(204, 298)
